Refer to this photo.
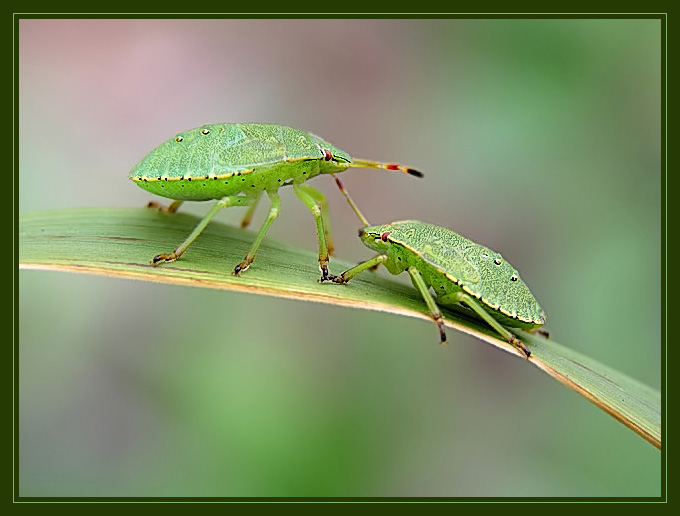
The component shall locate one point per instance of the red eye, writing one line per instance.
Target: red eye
(384, 236)
(327, 155)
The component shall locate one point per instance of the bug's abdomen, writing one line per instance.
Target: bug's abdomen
(193, 187)
(216, 184)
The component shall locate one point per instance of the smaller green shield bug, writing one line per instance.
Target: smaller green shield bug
(459, 271)
(235, 164)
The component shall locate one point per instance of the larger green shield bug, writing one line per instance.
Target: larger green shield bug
(235, 164)
(458, 270)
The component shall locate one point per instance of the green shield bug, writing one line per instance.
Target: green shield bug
(459, 271)
(234, 164)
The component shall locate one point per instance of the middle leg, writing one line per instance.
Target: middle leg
(273, 213)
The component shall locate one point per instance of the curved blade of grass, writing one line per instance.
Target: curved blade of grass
(120, 242)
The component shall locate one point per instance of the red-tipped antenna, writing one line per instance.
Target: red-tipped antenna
(356, 209)
(364, 163)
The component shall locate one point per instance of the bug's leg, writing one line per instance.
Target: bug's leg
(350, 273)
(309, 201)
(323, 204)
(424, 290)
(461, 297)
(245, 222)
(273, 213)
(543, 331)
(170, 208)
(222, 203)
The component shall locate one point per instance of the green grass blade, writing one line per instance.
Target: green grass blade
(120, 242)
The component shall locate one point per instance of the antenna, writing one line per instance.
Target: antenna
(364, 163)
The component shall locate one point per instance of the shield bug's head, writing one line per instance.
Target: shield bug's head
(332, 159)
(336, 155)
(376, 237)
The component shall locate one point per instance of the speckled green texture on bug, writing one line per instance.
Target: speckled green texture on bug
(234, 164)
(458, 270)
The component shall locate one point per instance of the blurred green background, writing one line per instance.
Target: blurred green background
(539, 138)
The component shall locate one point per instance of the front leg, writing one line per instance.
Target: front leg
(357, 269)
(323, 204)
(321, 231)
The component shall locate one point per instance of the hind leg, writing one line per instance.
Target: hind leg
(473, 304)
